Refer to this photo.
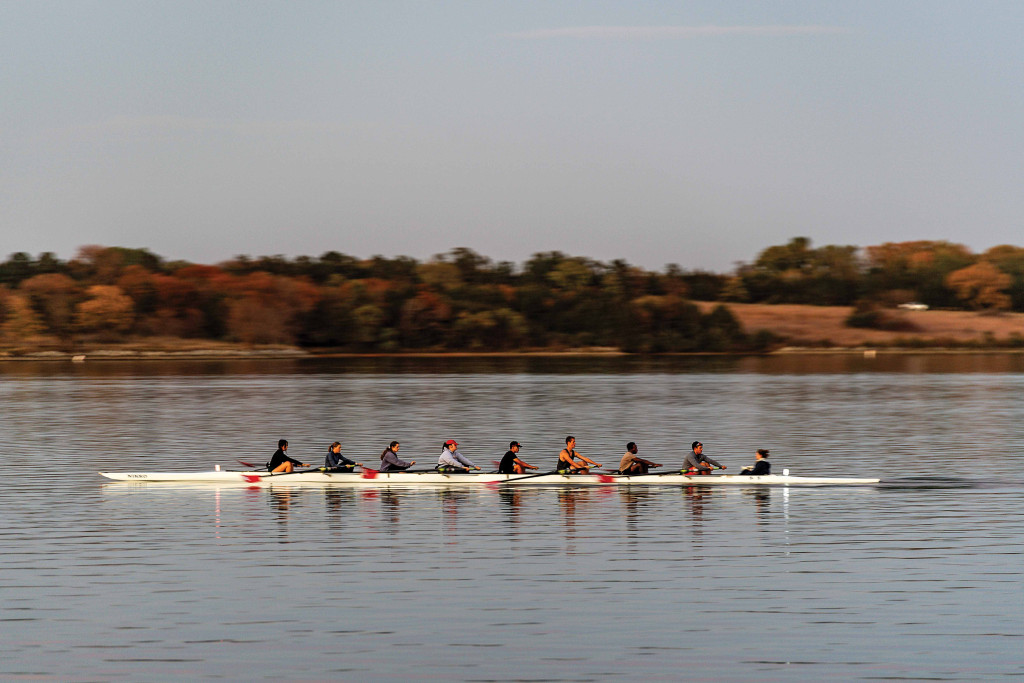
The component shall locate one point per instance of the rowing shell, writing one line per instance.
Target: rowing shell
(469, 479)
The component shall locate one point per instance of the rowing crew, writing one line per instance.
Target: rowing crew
(451, 460)
(570, 461)
(335, 461)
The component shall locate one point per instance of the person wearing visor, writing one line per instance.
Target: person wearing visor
(453, 461)
(510, 462)
(698, 463)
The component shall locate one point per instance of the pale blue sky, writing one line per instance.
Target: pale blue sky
(689, 132)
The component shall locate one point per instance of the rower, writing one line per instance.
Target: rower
(631, 464)
(280, 462)
(571, 462)
(698, 463)
(453, 461)
(510, 462)
(761, 465)
(390, 462)
(336, 462)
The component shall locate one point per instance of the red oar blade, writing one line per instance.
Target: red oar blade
(246, 464)
(369, 473)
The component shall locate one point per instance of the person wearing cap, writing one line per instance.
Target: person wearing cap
(761, 464)
(510, 462)
(569, 461)
(698, 463)
(453, 461)
(280, 463)
(338, 462)
(631, 464)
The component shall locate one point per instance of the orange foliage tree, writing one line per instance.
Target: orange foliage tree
(266, 308)
(20, 320)
(53, 296)
(108, 310)
(981, 286)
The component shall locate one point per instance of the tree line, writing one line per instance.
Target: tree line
(462, 300)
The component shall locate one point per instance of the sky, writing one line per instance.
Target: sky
(696, 133)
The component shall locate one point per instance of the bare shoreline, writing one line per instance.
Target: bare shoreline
(114, 355)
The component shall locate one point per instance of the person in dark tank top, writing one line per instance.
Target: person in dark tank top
(569, 461)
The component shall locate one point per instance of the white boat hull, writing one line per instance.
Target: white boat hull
(389, 479)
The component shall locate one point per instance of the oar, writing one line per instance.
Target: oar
(249, 464)
(528, 476)
(688, 474)
(253, 478)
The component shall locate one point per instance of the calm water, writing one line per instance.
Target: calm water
(917, 580)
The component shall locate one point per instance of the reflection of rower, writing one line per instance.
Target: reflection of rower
(571, 462)
(512, 497)
(389, 501)
(631, 464)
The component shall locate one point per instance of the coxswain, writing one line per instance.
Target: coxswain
(569, 461)
(280, 462)
(451, 460)
(631, 464)
(761, 464)
(510, 462)
(698, 463)
(336, 462)
(390, 462)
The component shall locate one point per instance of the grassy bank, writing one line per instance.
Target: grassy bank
(825, 327)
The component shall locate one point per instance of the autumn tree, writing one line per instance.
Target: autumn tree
(20, 321)
(1010, 260)
(53, 295)
(919, 266)
(981, 286)
(267, 308)
(108, 311)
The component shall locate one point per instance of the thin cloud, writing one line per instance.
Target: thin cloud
(648, 32)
